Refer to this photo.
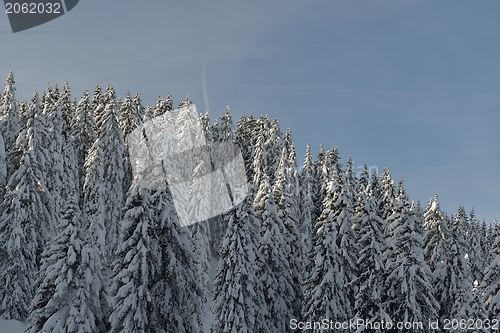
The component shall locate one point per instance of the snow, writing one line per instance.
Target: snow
(209, 316)
(11, 326)
(3, 166)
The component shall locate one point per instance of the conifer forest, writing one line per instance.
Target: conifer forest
(313, 247)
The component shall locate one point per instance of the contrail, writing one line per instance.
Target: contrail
(204, 86)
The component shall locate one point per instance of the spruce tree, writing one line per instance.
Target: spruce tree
(3, 168)
(135, 266)
(387, 192)
(129, 120)
(273, 144)
(277, 277)
(287, 202)
(176, 292)
(162, 106)
(66, 109)
(159, 107)
(94, 258)
(54, 172)
(245, 141)
(451, 276)
(200, 230)
(24, 223)
(492, 234)
(83, 134)
(9, 123)
(351, 181)
(61, 302)
(23, 109)
(259, 162)
(377, 192)
(491, 283)
(433, 233)
(138, 108)
(370, 246)
(476, 255)
(325, 295)
(239, 303)
(364, 180)
(321, 176)
(306, 192)
(148, 114)
(409, 295)
(343, 211)
(97, 101)
(109, 147)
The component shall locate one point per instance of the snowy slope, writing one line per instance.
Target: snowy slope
(11, 326)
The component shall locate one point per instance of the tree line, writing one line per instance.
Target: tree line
(86, 248)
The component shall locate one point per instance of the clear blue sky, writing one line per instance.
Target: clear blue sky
(414, 85)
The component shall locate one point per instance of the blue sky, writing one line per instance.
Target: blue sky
(414, 85)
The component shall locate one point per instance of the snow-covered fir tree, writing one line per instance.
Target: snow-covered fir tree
(364, 180)
(135, 266)
(138, 108)
(321, 183)
(194, 205)
(200, 231)
(306, 203)
(83, 134)
(218, 137)
(245, 140)
(492, 234)
(343, 211)
(273, 143)
(176, 292)
(409, 295)
(9, 123)
(287, 203)
(433, 233)
(370, 246)
(54, 173)
(387, 194)
(325, 295)
(351, 181)
(148, 114)
(476, 255)
(259, 162)
(324, 165)
(376, 191)
(490, 285)
(129, 120)
(24, 224)
(109, 146)
(162, 106)
(277, 277)
(66, 109)
(62, 302)
(22, 108)
(239, 302)
(451, 276)
(97, 100)
(94, 258)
